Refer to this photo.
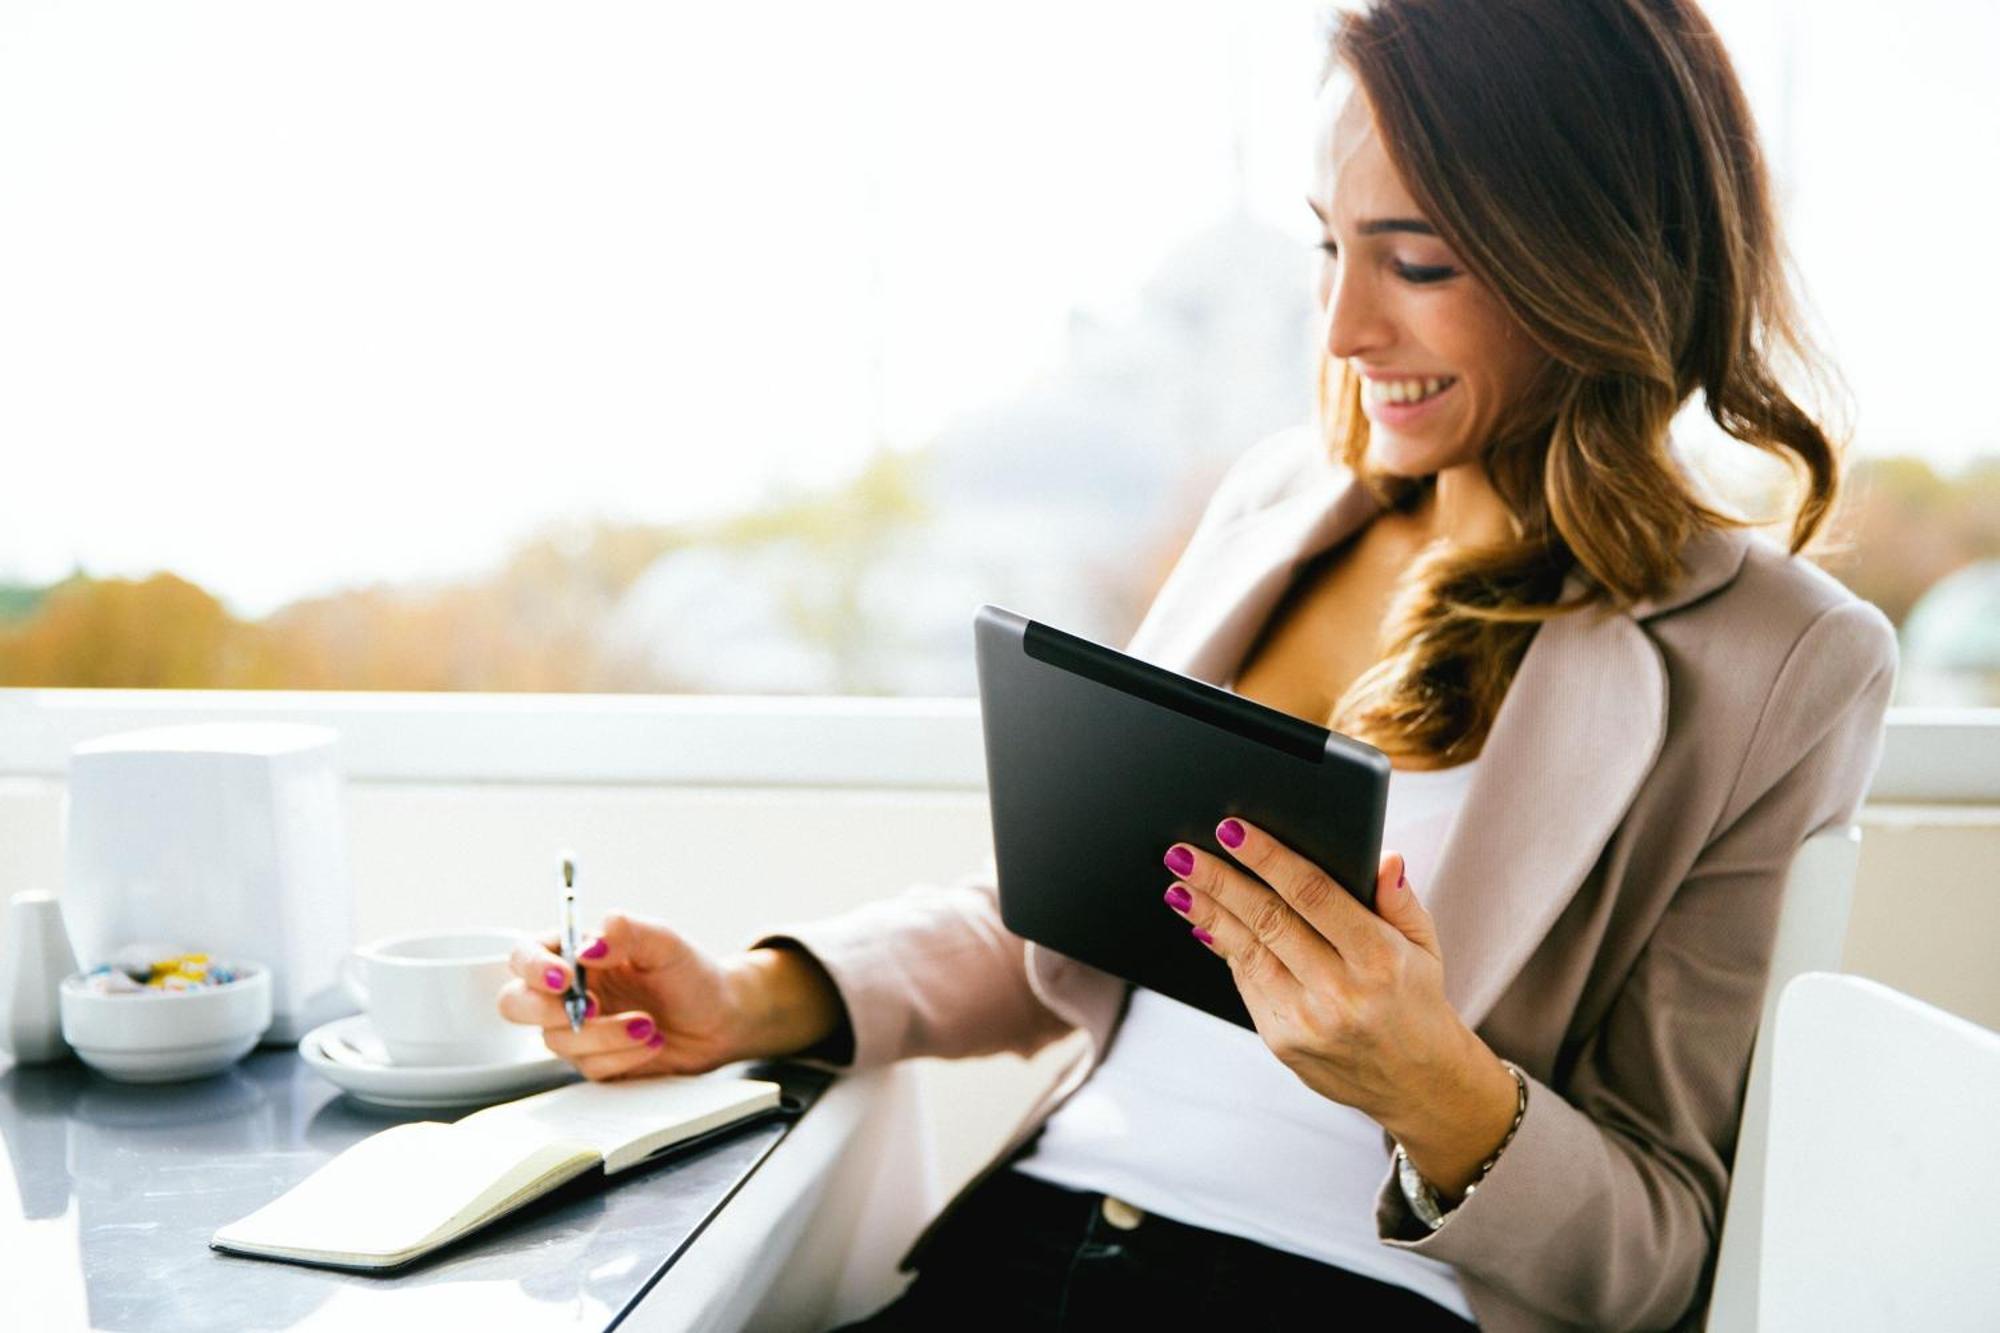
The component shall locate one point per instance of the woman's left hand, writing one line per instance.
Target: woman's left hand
(1352, 1001)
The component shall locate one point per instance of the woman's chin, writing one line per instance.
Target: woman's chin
(1393, 456)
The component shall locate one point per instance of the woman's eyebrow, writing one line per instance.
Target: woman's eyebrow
(1377, 226)
(1416, 226)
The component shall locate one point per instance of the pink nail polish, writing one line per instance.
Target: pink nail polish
(597, 949)
(1203, 936)
(590, 1007)
(1179, 898)
(554, 979)
(639, 1029)
(1180, 860)
(656, 1041)
(1230, 832)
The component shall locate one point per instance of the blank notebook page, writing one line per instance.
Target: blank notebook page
(624, 1121)
(394, 1192)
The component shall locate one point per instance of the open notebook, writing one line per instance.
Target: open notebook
(408, 1190)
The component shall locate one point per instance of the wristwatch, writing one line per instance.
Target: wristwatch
(1422, 1198)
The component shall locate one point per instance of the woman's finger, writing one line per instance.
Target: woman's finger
(1333, 913)
(1223, 933)
(519, 1004)
(1213, 885)
(611, 1035)
(640, 942)
(621, 940)
(617, 1064)
(539, 969)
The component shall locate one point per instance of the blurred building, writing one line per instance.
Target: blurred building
(1951, 641)
(1058, 503)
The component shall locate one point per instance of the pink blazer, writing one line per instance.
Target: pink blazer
(1606, 903)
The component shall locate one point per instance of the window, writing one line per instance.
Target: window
(462, 346)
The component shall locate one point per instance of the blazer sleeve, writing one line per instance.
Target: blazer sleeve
(932, 971)
(1605, 1209)
(929, 971)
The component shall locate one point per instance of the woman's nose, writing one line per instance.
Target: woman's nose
(1354, 322)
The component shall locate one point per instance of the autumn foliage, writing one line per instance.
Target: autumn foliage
(533, 623)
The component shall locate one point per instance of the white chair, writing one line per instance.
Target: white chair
(1812, 931)
(1884, 1146)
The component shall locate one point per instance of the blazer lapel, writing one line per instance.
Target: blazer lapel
(1579, 730)
(1577, 733)
(1204, 618)
(1580, 727)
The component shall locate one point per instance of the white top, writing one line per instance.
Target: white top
(1193, 1117)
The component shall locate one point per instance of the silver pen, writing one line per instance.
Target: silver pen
(574, 1000)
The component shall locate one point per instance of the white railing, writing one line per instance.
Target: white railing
(1931, 755)
(691, 740)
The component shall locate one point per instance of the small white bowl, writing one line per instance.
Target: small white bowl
(163, 1036)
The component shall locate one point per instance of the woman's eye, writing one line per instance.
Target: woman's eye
(1416, 273)
(1421, 273)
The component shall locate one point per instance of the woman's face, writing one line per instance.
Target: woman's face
(1402, 311)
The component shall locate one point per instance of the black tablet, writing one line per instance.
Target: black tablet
(1097, 762)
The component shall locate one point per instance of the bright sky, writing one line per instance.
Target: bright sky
(295, 296)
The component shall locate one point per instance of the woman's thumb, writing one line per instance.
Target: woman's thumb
(1396, 902)
(612, 944)
(632, 941)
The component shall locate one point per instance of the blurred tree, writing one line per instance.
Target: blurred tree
(1905, 527)
(535, 622)
(846, 530)
(157, 633)
(18, 601)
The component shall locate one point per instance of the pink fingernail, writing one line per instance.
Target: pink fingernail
(656, 1041)
(1203, 936)
(590, 1007)
(597, 949)
(639, 1029)
(554, 979)
(1230, 832)
(1180, 860)
(1179, 898)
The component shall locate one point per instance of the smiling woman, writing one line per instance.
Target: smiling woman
(1548, 311)
(1509, 1094)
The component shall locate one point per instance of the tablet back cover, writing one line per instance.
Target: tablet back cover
(1097, 762)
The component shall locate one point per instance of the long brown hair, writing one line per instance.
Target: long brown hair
(1595, 164)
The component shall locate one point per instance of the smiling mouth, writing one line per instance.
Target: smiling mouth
(1406, 393)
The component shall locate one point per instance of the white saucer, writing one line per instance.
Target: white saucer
(347, 1053)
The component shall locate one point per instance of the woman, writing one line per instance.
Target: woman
(1613, 717)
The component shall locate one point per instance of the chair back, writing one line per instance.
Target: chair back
(1812, 931)
(1884, 1147)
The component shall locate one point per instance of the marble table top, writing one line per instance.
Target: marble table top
(115, 1189)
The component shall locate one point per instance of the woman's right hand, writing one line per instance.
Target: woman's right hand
(658, 1004)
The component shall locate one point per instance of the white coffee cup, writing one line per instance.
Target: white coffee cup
(433, 998)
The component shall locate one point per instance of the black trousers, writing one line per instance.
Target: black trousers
(1022, 1254)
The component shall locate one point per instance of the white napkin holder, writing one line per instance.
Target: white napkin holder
(227, 837)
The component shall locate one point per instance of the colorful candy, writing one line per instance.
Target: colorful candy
(143, 967)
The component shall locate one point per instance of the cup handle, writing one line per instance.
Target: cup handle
(350, 980)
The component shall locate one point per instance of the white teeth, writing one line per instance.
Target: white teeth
(1407, 391)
